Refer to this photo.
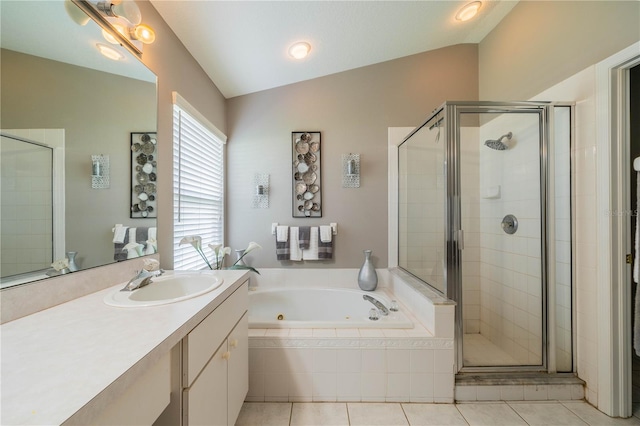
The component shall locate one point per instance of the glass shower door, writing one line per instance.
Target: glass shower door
(501, 207)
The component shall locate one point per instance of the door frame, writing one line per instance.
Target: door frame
(613, 232)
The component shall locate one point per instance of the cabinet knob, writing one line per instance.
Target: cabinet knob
(226, 355)
(234, 343)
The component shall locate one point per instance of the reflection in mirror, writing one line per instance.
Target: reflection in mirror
(62, 102)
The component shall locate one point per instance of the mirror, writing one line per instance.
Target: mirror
(57, 90)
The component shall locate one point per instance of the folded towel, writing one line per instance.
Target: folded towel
(142, 235)
(325, 250)
(312, 252)
(325, 234)
(304, 235)
(119, 252)
(282, 233)
(119, 234)
(282, 249)
(294, 243)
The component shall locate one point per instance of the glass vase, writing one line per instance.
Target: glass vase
(367, 277)
(71, 255)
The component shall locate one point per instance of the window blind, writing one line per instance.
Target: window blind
(198, 188)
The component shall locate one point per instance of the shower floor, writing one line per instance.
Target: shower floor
(480, 351)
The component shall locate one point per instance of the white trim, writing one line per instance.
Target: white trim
(395, 136)
(185, 105)
(614, 338)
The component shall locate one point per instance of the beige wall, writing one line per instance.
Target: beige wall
(540, 43)
(353, 110)
(97, 113)
(177, 71)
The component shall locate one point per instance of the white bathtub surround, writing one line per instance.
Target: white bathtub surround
(320, 308)
(355, 364)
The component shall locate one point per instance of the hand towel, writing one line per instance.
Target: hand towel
(325, 234)
(304, 237)
(325, 250)
(282, 249)
(119, 234)
(294, 243)
(142, 235)
(312, 252)
(282, 233)
(119, 252)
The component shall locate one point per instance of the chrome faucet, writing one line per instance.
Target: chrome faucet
(142, 278)
(383, 309)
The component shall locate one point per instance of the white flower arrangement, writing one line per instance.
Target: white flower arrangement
(60, 264)
(220, 252)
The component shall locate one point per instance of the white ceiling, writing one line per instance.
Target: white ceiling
(242, 45)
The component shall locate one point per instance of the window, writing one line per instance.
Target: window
(198, 183)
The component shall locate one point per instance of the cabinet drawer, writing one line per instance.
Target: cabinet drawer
(206, 337)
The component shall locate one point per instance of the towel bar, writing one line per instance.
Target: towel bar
(334, 228)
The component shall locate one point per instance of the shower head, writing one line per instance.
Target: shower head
(498, 144)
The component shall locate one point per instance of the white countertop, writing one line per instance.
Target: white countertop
(66, 363)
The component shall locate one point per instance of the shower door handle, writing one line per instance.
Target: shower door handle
(460, 239)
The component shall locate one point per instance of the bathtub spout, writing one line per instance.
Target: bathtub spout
(383, 309)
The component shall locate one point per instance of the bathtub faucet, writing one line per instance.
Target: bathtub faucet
(383, 310)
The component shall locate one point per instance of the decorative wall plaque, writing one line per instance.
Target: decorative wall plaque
(144, 157)
(307, 189)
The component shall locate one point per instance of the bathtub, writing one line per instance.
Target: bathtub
(319, 308)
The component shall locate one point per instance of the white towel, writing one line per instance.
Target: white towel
(282, 233)
(132, 235)
(312, 252)
(119, 233)
(294, 245)
(325, 234)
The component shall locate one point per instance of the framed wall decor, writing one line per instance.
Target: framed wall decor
(144, 160)
(307, 187)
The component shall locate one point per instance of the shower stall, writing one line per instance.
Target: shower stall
(484, 217)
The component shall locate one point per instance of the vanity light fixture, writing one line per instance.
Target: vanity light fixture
(126, 9)
(109, 52)
(299, 50)
(468, 11)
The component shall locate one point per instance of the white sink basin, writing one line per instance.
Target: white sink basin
(171, 287)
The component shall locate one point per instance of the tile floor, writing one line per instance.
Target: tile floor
(392, 414)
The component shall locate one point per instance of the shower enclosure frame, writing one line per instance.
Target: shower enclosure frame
(454, 235)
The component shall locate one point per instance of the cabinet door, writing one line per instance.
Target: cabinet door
(205, 402)
(238, 374)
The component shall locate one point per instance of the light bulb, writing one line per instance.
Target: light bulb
(128, 10)
(468, 11)
(300, 50)
(144, 33)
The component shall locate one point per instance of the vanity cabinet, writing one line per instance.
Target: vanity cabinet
(215, 364)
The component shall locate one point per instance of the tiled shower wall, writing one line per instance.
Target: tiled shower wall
(511, 289)
(27, 214)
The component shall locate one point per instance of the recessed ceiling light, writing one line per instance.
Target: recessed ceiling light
(468, 11)
(109, 52)
(299, 50)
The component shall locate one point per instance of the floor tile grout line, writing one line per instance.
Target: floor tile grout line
(405, 413)
(460, 412)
